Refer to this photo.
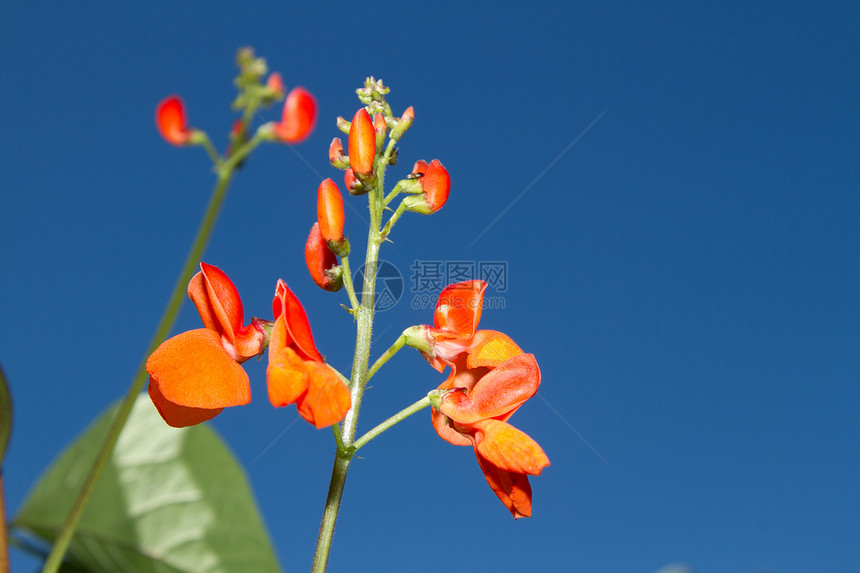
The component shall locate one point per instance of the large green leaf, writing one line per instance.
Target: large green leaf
(168, 501)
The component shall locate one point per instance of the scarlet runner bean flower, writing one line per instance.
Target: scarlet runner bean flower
(297, 373)
(435, 184)
(299, 116)
(171, 121)
(491, 378)
(193, 376)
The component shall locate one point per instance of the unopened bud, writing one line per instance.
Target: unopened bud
(321, 262)
(362, 144)
(336, 156)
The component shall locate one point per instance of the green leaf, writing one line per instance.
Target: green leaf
(170, 500)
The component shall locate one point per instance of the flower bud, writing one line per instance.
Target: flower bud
(404, 123)
(330, 211)
(343, 125)
(299, 117)
(171, 121)
(321, 262)
(336, 156)
(435, 184)
(362, 144)
(275, 84)
(353, 185)
(380, 127)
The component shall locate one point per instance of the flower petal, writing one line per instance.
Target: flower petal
(442, 425)
(175, 415)
(286, 375)
(298, 328)
(496, 394)
(299, 117)
(327, 400)
(491, 349)
(192, 369)
(458, 309)
(512, 488)
(508, 448)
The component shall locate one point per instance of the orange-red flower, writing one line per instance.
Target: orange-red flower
(362, 143)
(299, 117)
(491, 378)
(196, 374)
(171, 121)
(297, 372)
(435, 185)
(458, 311)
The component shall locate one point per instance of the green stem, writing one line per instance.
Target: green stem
(347, 282)
(395, 419)
(394, 217)
(177, 297)
(398, 344)
(364, 328)
(4, 549)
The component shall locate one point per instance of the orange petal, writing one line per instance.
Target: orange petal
(192, 369)
(442, 425)
(491, 348)
(458, 309)
(512, 488)
(175, 415)
(286, 375)
(498, 393)
(362, 143)
(171, 121)
(508, 448)
(327, 400)
(298, 328)
(299, 117)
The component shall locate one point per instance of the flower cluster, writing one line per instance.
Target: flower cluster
(491, 377)
(195, 375)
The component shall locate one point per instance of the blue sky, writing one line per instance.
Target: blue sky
(685, 272)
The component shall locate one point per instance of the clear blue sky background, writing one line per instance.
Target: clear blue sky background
(686, 273)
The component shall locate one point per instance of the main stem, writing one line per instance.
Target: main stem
(177, 297)
(364, 329)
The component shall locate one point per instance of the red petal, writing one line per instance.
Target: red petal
(171, 121)
(513, 489)
(458, 309)
(299, 118)
(193, 369)
(298, 328)
(436, 184)
(319, 259)
(178, 416)
(362, 143)
(442, 425)
(327, 400)
(496, 394)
